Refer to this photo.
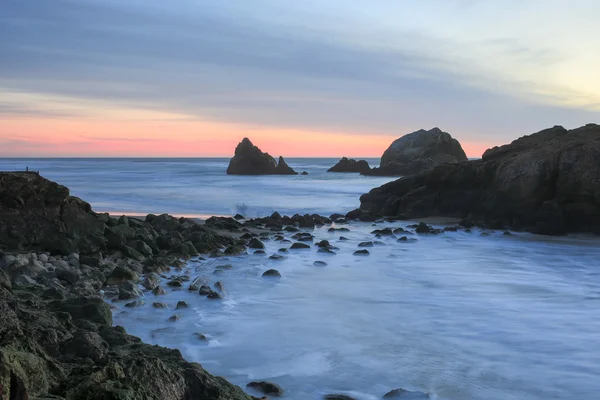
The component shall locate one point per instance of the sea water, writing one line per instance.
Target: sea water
(477, 315)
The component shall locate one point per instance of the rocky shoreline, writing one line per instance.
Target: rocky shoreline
(61, 267)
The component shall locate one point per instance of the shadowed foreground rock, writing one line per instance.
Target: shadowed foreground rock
(51, 347)
(547, 183)
(350, 165)
(250, 160)
(417, 152)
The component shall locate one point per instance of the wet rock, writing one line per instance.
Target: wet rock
(158, 291)
(361, 253)
(423, 228)
(299, 245)
(303, 237)
(204, 290)
(383, 232)
(129, 290)
(402, 239)
(174, 318)
(134, 304)
(255, 244)
(214, 295)
(405, 395)
(450, 229)
(200, 336)
(260, 252)
(176, 283)
(238, 217)
(196, 283)
(325, 251)
(159, 305)
(220, 287)
(121, 275)
(277, 257)
(507, 233)
(320, 264)
(271, 273)
(181, 304)
(365, 244)
(323, 244)
(268, 388)
(234, 251)
(337, 397)
(291, 229)
(398, 230)
(304, 173)
(343, 238)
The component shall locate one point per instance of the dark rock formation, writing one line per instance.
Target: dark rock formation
(545, 183)
(36, 213)
(404, 394)
(268, 388)
(250, 160)
(417, 152)
(68, 348)
(350, 165)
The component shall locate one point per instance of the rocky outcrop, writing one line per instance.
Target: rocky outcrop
(250, 160)
(417, 152)
(350, 165)
(546, 183)
(67, 349)
(39, 214)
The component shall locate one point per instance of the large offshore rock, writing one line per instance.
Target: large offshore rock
(546, 183)
(350, 165)
(419, 151)
(250, 160)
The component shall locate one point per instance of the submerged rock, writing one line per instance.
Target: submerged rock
(299, 245)
(337, 397)
(268, 388)
(250, 160)
(361, 253)
(403, 394)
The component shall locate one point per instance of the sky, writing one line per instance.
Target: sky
(191, 78)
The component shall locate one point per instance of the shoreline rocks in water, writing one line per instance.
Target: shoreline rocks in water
(250, 160)
(350, 165)
(419, 151)
(543, 183)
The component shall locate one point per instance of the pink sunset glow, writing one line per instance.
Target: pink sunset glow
(53, 137)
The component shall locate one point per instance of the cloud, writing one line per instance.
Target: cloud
(235, 63)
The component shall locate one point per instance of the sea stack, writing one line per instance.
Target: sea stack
(350, 165)
(419, 151)
(545, 183)
(250, 160)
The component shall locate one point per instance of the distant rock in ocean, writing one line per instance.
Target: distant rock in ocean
(544, 183)
(417, 152)
(250, 160)
(350, 165)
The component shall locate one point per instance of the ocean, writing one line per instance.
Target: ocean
(459, 315)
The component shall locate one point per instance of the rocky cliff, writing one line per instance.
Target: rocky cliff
(419, 151)
(250, 160)
(547, 182)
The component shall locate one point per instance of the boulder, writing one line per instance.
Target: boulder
(273, 273)
(250, 160)
(299, 245)
(543, 183)
(350, 165)
(417, 152)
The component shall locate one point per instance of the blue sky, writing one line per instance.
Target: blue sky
(485, 71)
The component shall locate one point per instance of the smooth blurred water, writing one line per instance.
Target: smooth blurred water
(458, 315)
(461, 316)
(200, 186)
